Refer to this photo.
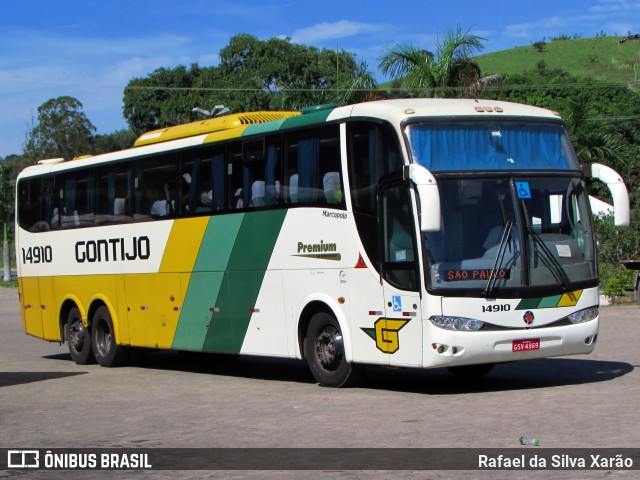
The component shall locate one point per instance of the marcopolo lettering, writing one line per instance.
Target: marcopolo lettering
(113, 250)
(327, 213)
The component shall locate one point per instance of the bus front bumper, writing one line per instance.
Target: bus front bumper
(446, 348)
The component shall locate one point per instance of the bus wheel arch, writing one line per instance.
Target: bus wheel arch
(107, 351)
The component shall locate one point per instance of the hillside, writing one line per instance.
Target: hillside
(601, 58)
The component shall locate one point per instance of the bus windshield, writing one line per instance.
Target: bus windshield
(507, 233)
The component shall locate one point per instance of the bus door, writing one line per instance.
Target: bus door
(402, 334)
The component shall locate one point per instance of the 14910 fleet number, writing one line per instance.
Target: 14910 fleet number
(37, 254)
(499, 307)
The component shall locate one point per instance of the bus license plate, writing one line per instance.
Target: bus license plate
(525, 345)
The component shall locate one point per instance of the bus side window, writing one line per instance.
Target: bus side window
(32, 204)
(272, 173)
(235, 191)
(373, 152)
(400, 268)
(155, 188)
(313, 168)
(113, 194)
(75, 207)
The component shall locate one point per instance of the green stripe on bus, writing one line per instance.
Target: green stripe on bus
(198, 310)
(262, 128)
(217, 244)
(203, 292)
(290, 122)
(242, 280)
(306, 119)
(528, 303)
(550, 302)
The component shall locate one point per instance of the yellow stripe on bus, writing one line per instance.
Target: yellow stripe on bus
(183, 244)
(570, 299)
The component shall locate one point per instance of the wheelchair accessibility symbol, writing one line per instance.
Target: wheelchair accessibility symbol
(523, 189)
(396, 301)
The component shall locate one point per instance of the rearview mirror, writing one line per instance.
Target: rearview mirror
(428, 196)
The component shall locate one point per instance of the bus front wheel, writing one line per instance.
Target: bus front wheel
(78, 338)
(107, 352)
(325, 353)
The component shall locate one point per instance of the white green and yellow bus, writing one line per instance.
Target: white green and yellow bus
(406, 233)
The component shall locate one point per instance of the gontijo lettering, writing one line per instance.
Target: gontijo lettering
(113, 250)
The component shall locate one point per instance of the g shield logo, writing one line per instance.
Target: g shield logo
(386, 334)
(528, 317)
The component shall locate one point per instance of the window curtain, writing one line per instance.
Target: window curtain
(270, 193)
(308, 170)
(70, 196)
(488, 147)
(217, 177)
(111, 192)
(194, 190)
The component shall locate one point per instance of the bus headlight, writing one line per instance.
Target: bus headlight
(583, 315)
(456, 323)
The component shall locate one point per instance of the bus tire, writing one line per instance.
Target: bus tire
(469, 372)
(78, 338)
(107, 352)
(326, 356)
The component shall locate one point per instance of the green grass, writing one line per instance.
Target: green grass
(601, 58)
(10, 284)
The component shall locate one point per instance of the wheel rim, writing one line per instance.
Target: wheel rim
(103, 338)
(330, 347)
(77, 335)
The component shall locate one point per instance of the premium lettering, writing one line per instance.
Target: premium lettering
(317, 247)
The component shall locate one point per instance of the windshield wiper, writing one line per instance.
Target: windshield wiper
(547, 257)
(549, 260)
(502, 249)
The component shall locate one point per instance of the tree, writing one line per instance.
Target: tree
(438, 74)
(253, 74)
(284, 75)
(166, 97)
(111, 142)
(5, 217)
(63, 130)
(360, 87)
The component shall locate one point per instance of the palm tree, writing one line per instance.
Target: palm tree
(360, 87)
(438, 74)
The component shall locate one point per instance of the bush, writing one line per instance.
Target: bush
(614, 280)
(539, 46)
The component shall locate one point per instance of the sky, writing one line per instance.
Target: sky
(90, 49)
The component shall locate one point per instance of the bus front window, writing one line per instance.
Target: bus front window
(500, 235)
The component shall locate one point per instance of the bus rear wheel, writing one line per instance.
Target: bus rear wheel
(78, 338)
(107, 352)
(326, 356)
